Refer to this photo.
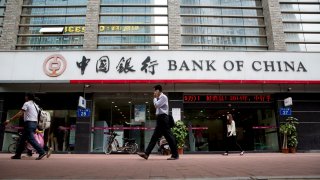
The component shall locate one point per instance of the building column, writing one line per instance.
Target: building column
(174, 24)
(9, 37)
(92, 25)
(274, 25)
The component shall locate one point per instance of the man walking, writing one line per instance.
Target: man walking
(30, 112)
(160, 102)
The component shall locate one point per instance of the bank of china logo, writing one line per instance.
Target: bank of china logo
(54, 65)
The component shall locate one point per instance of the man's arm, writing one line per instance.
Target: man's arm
(18, 115)
(159, 102)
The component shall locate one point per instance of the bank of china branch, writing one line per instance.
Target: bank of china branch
(192, 79)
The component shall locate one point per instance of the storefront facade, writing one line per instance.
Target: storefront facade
(202, 88)
(212, 57)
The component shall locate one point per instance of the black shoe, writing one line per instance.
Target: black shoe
(29, 153)
(143, 155)
(15, 157)
(173, 158)
(41, 156)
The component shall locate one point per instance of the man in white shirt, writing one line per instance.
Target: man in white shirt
(30, 112)
(160, 102)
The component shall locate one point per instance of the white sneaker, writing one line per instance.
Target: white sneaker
(225, 154)
(242, 153)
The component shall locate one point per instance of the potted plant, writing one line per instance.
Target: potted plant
(289, 131)
(180, 132)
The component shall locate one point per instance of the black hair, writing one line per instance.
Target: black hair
(158, 87)
(30, 96)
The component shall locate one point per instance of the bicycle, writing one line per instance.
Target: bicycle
(13, 146)
(130, 146)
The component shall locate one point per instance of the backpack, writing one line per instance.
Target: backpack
(44, 118)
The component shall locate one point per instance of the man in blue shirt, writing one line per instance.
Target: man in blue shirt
(161, 104)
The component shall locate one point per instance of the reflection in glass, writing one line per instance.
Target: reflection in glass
(313, 47)
(294, 37)
(134, 10)
(250, 3)
(147, 2)
(296, 47)
(53, 20)
(134, 19)
(54, 2)
(77, 40)
(40, 48)
(306, 19)
(54, 11)
(134, 47)
(133, 39)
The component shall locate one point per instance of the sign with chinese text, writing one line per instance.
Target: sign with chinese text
(159, 67)
(227, 98)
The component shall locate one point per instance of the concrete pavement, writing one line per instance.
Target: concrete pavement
(203, 166)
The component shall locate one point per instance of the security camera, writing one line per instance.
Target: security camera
(289, 89)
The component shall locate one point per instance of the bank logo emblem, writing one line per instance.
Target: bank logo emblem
(54, 65)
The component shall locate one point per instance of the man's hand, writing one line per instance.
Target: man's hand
(6, 122)
(156, 94)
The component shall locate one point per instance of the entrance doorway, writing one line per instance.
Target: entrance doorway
(255, 126)
(124, 113)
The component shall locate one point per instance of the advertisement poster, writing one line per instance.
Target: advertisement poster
(176, 114)
(140, 113)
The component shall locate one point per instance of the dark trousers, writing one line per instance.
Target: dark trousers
(232, 141)
(163, 129)
(28, 135)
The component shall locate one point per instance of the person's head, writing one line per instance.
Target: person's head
(29, 96)
(158, 87)
(229, 118)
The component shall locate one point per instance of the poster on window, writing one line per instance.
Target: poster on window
(140, 113)
(176, 114)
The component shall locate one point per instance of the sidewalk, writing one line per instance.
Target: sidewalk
(209, 166)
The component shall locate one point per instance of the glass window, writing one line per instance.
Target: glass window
(53, 11)
(41, 48)
(313, 47)
(296, 47)
(133, 39)
(294, 37)
(134, 47)
(109, 29)
(150, 2)
(312, 37)
(134, 19)
(291, 17)
(256, 41)
(311, 27)
(50, 40)
(292, 27)
(3, 2)
(55, 2)
(239, 34)
(310, 17)
(253, 22)
(53, 20)
(289, 7)
(309, 7)
(252, 3)
(134, 10)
